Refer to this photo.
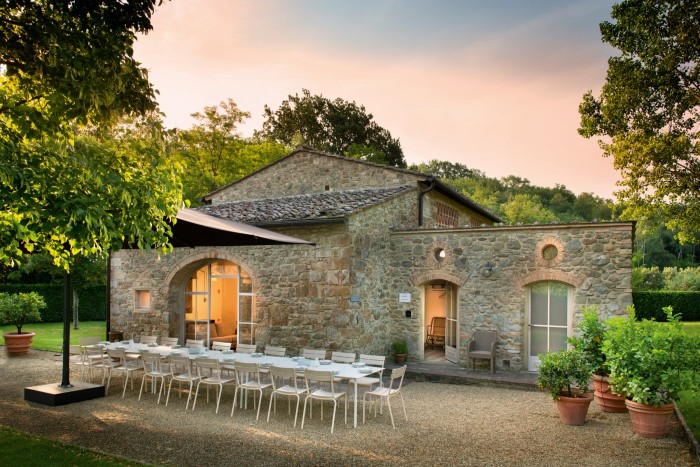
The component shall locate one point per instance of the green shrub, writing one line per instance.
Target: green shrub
(400, 346)
(651, 362)
(650, 304)
(590, 340)
(647, 279)
(561, 371)
(20, 309)
(92, 300)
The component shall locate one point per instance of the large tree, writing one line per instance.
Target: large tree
(649, 110)
(66, 188)
(336, 126)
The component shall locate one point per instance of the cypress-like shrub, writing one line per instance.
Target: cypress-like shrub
(650, 304)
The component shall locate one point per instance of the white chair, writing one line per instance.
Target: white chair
(209, 373)
(220, 346)
(284, 383)
(180, 369)
(117, 363)
(315, 382)
(148, 340)
(386, 393)
(168, 341)
(313, 354)
(93, 359)
(343, 357)
(92, 340)
(194, 343)
(275, 351)
(248, 378)
(153, 369)
(368, 382)
(246, 348)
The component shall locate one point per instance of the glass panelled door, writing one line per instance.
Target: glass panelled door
(549, 319)
(220, 304)
(451, 329)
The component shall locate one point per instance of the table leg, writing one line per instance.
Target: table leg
(355, 408)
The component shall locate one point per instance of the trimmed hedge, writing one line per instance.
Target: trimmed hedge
(92, 300)
(650, 304)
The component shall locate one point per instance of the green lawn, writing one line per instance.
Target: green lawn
(21, 449)
(49, 336)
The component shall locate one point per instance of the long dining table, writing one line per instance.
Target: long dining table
(348, 371)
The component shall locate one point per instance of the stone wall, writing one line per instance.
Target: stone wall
(594, 259)
(304, 172)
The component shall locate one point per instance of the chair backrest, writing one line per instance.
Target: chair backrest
(275, 351)
(89, 340)
(437, 327)
(92, 353)
(151, 362)
(343, 357)
(206, 366)
(282, 375)
(74, 350)
(194, 343)
(246, 348)
(168, 340)
(179, 364)
(318, 377)
(117, 354)
(313, 353)
(247, 372)
(483, 340)
(397, 375)
(148, 339)
(216, 345)
(373, 360)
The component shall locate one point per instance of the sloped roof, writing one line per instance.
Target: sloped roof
(312, 207)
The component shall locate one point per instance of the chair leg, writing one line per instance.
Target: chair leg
(235, 398)
(303, 416)
(195, 396)
(335, 406)
(391, 415)
(269, 408)
(296, 413)
(404, 406)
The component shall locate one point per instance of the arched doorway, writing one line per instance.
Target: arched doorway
(219, 304)
(441, 323)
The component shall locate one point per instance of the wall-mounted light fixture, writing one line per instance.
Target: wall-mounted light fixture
(488, 268)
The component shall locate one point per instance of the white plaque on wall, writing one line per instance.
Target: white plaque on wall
(404, 298)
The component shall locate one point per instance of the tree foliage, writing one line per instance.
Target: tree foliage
(335, 126)
(649, 110)
(76, 177)
(215, 154)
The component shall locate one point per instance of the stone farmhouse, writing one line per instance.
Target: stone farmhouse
(392, 249)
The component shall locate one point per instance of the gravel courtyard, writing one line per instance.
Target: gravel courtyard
(448, 424)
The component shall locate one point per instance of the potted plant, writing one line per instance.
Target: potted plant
(650, 363)
(20, 309)
(565, 376)
(400, 347)
(590, 343)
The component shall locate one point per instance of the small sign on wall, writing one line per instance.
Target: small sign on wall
(404, 298)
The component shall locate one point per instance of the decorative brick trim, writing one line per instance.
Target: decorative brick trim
(540, 248)
(557, 276)
(204, 256)
(420, 279)
(432, 250)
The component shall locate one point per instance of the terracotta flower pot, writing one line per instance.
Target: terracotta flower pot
(607, 401)
(573, 410)
(400, 358)
(18, 344)
(650, 421)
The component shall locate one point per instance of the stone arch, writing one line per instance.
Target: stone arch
(419, 279)
(573, 279)
(182, 270)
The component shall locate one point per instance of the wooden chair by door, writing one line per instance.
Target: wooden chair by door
(436, 332)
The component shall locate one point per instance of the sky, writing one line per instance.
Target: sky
(494, 85)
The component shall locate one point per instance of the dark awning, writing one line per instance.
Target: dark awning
(194, 228)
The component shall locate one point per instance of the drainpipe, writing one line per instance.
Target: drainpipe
(109, 292)
(430, 180)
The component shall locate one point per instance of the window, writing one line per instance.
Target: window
(142, 299)
(446, 216)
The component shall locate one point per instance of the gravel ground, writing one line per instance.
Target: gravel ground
(448, 424)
